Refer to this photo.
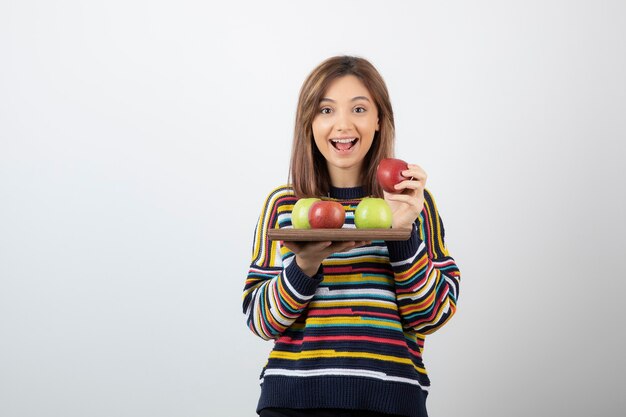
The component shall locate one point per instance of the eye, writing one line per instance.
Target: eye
(360, 109)
(325, 110)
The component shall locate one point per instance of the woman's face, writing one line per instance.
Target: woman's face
(344, 129)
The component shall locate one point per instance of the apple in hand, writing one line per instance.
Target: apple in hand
(372, 213)
(326, 215)
(300, 213)
(389, 173)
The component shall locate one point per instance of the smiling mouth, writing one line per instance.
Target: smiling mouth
(344, 144)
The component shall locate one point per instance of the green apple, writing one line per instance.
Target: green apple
(372, 213)
(300, 213)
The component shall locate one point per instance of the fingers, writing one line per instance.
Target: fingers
(417, 180)
(404, 198)
(346, 246)
(406, 204)
(415, 172)
(292, 246)
(339, 247)
(324, 248)
(410, 187)
(299, 247)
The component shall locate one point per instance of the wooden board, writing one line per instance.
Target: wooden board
(336, 235)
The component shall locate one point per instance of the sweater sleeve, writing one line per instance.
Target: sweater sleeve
(427, 278)
(276, 291)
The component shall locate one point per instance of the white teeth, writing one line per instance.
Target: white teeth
(343, 140)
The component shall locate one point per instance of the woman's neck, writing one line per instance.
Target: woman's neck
(345, 178)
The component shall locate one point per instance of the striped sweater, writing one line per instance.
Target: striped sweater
(351, 336)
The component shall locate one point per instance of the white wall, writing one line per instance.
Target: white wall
(139, 138)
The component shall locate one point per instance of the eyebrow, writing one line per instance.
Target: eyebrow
(353, 99)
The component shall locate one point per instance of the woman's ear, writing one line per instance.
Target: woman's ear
(377, 125)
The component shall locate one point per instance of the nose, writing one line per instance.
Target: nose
(343, 122)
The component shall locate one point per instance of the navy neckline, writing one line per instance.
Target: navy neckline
(346, 193)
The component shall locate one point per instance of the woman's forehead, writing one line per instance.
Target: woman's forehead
(347, 87)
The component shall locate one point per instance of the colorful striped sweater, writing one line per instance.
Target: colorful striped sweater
(351, 336)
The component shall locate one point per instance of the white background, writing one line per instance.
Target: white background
(139, 138)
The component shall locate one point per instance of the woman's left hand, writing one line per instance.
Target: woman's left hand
(407, 204)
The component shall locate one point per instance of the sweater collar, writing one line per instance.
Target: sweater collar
(346, 193)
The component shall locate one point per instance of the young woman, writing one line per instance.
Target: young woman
(348, 319)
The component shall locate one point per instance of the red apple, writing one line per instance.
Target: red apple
(389, 173)
(326, 215)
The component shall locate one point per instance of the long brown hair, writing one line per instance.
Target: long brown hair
(308, 172)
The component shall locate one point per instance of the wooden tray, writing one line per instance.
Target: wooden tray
(336, 235)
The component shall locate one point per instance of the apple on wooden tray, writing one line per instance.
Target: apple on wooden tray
(325, 214)
(300, 213)
(314, 219)
(372, 213)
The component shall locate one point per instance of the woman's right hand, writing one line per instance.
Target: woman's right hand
(309, 255)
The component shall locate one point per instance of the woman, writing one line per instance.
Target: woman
(349, 319)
